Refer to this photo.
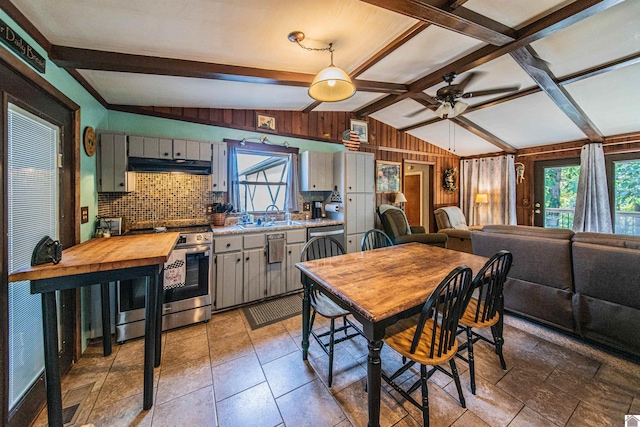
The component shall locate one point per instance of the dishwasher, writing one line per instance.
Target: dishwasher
(335, 231)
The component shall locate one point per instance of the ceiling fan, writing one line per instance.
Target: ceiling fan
(448, 97)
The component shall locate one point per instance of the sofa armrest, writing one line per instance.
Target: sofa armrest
(454, 232)
(476, 227)
(417, 229)
(435, 239)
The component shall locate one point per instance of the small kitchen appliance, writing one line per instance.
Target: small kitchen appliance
(316, 210)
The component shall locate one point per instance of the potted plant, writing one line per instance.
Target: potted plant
(220, 211)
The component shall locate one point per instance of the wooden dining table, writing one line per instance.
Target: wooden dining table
(101, 260)
(380, 287)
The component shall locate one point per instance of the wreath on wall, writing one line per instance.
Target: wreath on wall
(449, 181)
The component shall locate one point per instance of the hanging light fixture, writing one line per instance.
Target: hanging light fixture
(451, 108)
(331, 84)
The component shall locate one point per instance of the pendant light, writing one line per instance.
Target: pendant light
(331, 84)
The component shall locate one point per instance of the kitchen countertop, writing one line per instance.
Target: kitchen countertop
(234, 229)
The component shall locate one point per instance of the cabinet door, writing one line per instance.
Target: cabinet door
(352, 213)
(229, 279)
(136, 146)
(293, 274)
(112, 167)
(351, 172)
(326, 180)
(254, 274)
(205, 151)
(219, 167)
(193, 150)
(165, 146)
(369, 173)
(368, 212)
(179, 149)
(151, 148)
(360, 172)
(353, 242)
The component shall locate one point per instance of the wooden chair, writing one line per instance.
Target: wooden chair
(374, 239)
(324, 247)
(486, 309)
(430, 339)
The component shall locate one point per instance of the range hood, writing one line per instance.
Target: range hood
(143, 164)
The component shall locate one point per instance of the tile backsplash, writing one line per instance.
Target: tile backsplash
(161, 196)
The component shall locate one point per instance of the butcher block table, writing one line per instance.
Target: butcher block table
(95, 261)
(380, 287)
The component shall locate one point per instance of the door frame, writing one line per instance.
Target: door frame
(431, 228)
(27, 81)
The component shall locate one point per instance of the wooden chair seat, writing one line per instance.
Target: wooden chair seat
(469, 317)
(400, 335)
(327, 308)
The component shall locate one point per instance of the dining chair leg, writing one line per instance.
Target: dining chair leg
(344, 323)
(499, 341)
(472, 369)
(456, 378)
(425, 395)
(331, 340)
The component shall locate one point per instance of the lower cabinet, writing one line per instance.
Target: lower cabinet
(354, 242)
(241, 271)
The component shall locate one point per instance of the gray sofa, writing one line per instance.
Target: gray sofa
(584, 283)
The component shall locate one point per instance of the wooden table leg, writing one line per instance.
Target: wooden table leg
(159, 279)
(51, 363)
(374, 382)
(106, 318)
(151, 308)
(306, 312)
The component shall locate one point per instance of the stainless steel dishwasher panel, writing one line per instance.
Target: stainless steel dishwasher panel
(335, 231)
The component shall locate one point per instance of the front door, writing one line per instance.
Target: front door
(555, 190)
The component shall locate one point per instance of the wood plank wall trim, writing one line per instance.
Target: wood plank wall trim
(385, 142)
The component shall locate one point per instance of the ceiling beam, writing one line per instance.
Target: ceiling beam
(555, 21)
(484, 134)
(540, 73)
(460, 20)
(88, 59)
(601, 69)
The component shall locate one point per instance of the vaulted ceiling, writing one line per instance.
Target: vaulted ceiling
(576, 63)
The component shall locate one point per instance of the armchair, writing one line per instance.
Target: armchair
(452, 222)
(397, 227)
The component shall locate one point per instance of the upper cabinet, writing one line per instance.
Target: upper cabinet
(218, 166)
(316, 170)
(356, 173)
(112, 164)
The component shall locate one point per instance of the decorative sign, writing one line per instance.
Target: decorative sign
(23, 49)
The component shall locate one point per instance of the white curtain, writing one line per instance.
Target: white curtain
(592, 212)
(496, 177)
(234, 184)
(293, 185)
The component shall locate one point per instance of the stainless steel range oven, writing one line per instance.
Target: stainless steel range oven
(184, 304)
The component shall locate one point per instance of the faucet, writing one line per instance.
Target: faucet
(267, 218)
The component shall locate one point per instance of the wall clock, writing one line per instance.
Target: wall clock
(89, 141)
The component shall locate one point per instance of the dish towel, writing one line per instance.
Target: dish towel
(175, 270)
(276, 250)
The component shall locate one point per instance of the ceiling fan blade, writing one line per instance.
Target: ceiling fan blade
(415, 113)
(468, 79)
(430, 99)
(496, 91)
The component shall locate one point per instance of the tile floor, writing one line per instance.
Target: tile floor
(224, 374)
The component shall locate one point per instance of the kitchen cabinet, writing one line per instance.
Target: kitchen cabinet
(316, 171)
(354, 173)
(276, 271)
(296, 240)
(229, 269)
(112, 165)
(191, 150)
(150, 147)
(219, 166)
(254, 271)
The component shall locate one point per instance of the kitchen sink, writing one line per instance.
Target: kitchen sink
(271, 224)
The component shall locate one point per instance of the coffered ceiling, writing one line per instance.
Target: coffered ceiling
(576, 63)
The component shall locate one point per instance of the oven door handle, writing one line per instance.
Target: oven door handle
(197, 249)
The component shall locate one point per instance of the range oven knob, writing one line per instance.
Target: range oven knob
(206, 237)
(182, 239)
(198, 237)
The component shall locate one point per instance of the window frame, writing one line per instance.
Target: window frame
(610, 160)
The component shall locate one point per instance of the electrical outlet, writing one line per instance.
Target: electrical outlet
(306, 206)
(84, 214)
(209, 209)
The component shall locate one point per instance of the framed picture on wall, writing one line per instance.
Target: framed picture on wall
(361, 128)
(388, 177)
(265, 123)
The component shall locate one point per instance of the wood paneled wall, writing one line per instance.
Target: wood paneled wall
(386, 142)
(627, 143)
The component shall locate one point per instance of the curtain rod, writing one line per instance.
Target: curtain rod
(604, 144)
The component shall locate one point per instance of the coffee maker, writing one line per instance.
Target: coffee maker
(316, 210)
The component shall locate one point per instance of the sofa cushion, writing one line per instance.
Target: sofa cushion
(524, 230)
(397, 222)
(546, 261)
(622, 241)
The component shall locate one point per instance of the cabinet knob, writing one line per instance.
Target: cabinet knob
(289, 252)
(177, 154)
(246, 259)
(215, 185)
(314, 186)
(228, 245)
(238, 260)
(349, 187)
(166, 154)
(121, 184)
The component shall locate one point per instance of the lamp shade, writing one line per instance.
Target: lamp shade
(400, 198)
(331, 85)
(482, 198)
(459, 108)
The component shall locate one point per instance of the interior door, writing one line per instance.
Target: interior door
(413, 194)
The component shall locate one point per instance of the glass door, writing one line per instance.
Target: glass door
(556, 186)
(623, 174)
